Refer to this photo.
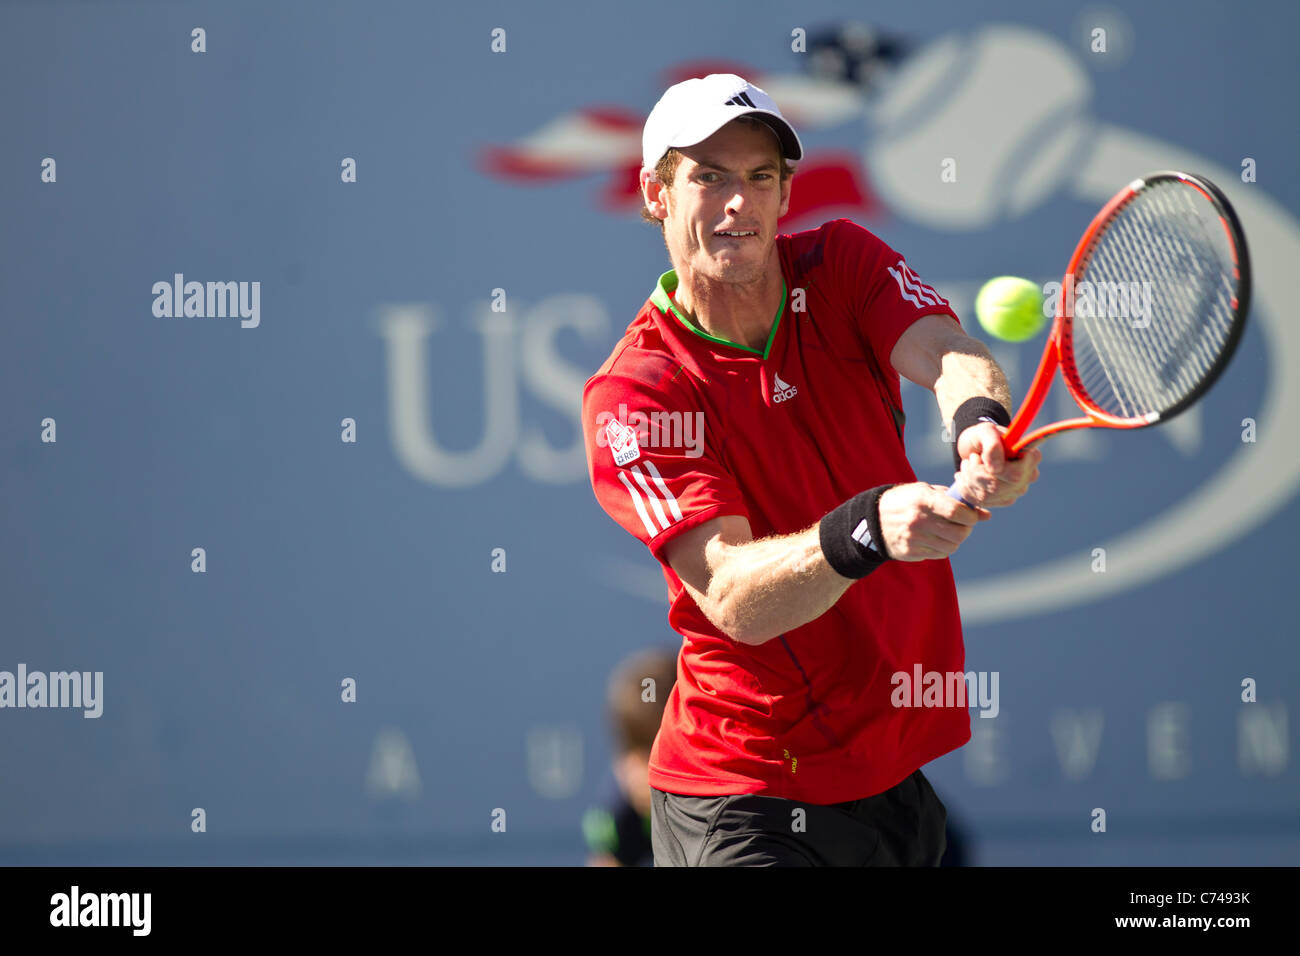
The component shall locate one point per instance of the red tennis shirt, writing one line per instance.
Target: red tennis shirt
(682, 427)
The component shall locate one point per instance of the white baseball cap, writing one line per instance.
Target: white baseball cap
(694, 110)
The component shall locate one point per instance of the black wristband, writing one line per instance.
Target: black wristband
(972, 412)
(850, 535)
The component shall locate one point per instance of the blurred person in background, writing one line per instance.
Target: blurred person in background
(618, 833)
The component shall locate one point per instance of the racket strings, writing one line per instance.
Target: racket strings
(1157, 308)
(1193, 297)
(1139, 350)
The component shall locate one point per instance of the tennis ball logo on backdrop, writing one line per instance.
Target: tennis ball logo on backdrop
(943, 103)
(931, 161)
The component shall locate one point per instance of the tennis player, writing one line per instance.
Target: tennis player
(748, 428)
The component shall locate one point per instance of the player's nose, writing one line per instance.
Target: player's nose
(739, 199)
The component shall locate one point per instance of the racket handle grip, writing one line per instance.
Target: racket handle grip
(954, 492)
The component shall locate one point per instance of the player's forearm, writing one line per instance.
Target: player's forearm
(764, 588)
(968, 370)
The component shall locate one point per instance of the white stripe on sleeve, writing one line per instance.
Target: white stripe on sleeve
(924, 291)
(902, 290)
(650, 496)
(640, 508)
(663, 488)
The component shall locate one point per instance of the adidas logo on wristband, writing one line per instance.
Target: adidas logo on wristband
(854, 553)
(862, 535)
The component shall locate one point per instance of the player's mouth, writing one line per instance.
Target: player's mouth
(735, 234)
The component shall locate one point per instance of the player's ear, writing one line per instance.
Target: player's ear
(654, 193)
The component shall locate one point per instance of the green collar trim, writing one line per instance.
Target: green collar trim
(664, 303)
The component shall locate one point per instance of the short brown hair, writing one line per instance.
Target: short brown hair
(666, 170)
(635, 720)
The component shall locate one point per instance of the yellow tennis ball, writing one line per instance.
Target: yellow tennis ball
(1010, 309)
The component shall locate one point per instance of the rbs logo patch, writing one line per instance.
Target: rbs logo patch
(622, 442)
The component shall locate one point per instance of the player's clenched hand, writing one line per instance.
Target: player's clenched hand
(987, 478)
(984, 440)
(919, 521)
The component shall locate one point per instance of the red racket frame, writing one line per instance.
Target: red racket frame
(1059, 352)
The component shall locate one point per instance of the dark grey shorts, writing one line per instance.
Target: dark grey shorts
(904, 826)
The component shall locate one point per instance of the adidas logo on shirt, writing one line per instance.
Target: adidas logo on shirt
(782, 391)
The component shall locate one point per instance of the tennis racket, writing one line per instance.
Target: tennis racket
(1151, 308)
